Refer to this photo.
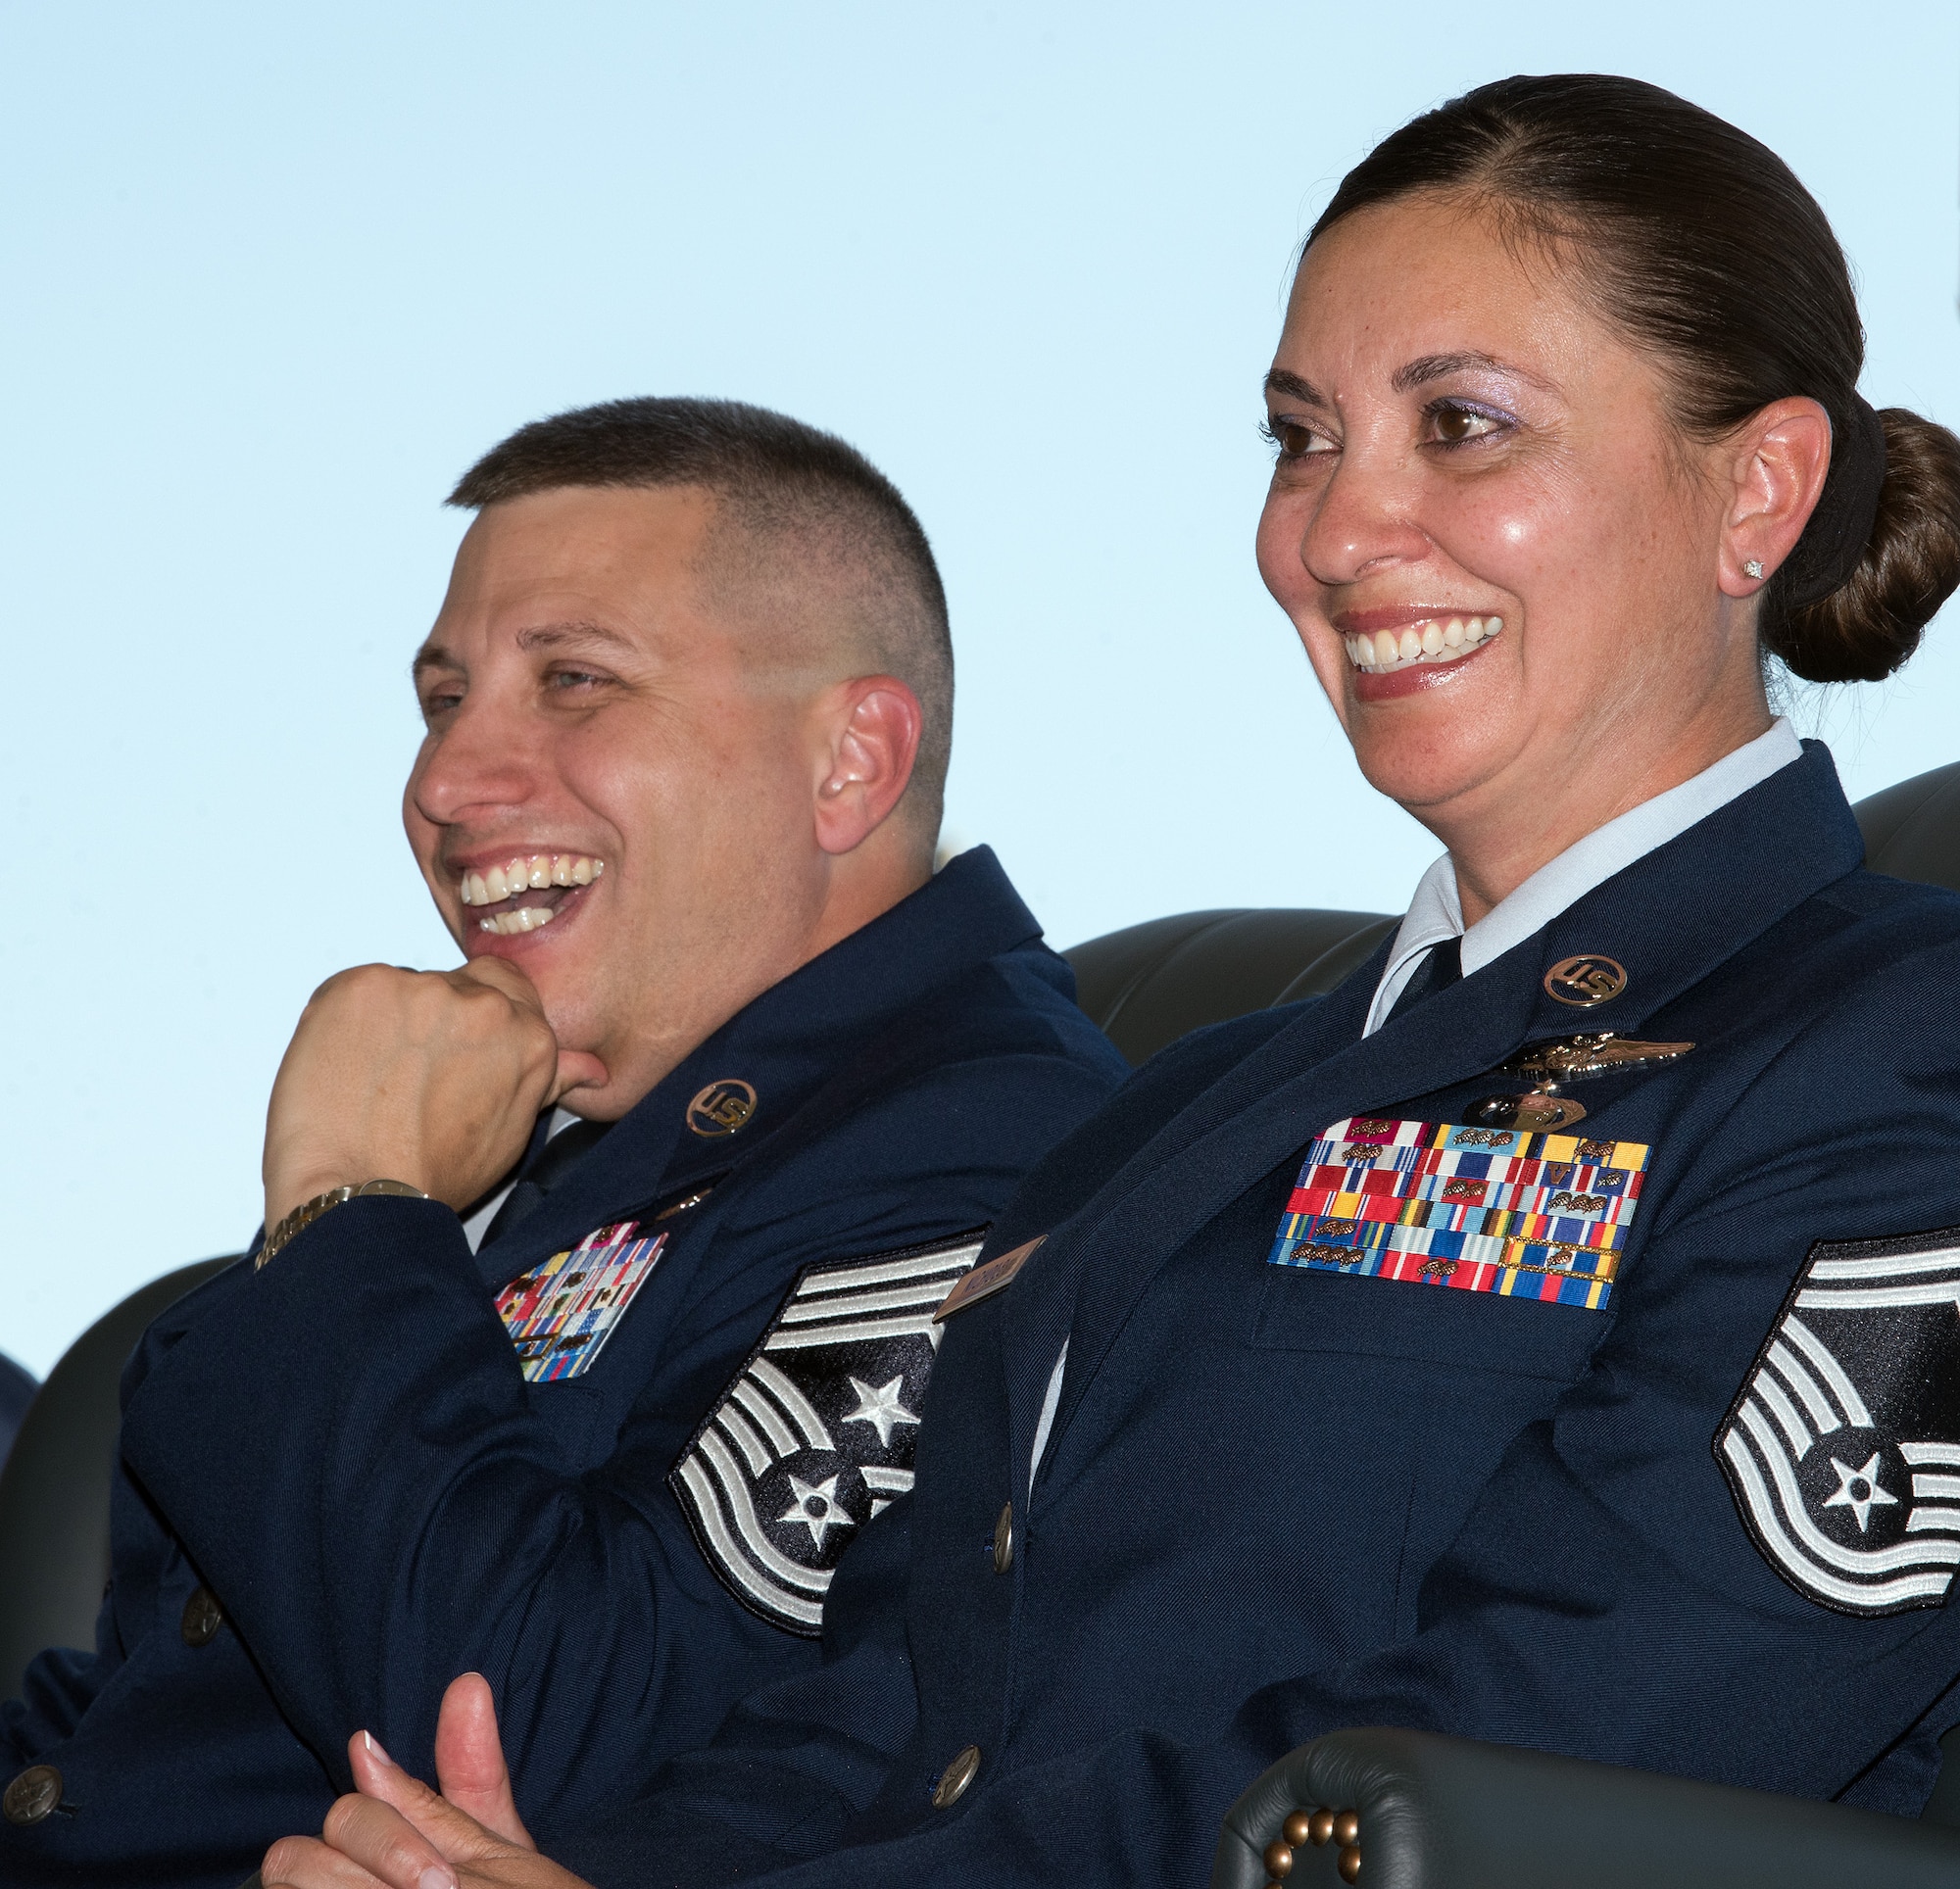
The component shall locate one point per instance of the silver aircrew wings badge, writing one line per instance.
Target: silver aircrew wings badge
(1842, 1448)
(816, 1433)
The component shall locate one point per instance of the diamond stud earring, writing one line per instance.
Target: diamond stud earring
(1752, 567)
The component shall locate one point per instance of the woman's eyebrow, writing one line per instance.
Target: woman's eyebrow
(1427, 368)
(1279, 381)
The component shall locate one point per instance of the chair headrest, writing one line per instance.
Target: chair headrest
(1912, 830)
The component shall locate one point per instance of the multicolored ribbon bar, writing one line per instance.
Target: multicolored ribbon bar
(560, 1314)
(1478, 1209)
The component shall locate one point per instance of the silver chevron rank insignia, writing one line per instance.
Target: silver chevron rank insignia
(1842, 1448)
(817, 1432)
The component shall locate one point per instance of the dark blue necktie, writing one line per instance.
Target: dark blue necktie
(553, 1160)
(1443, 967)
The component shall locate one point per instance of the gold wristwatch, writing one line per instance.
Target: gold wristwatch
(307, 1211)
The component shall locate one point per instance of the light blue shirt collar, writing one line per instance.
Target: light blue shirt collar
(1436, 913)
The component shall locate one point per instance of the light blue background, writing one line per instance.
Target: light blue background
(272, 276)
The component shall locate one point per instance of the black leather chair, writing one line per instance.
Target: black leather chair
(17, 1392)
(1149, 983)
(1407, 1809)
(54, 1490)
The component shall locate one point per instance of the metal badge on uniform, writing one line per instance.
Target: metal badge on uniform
(983, 1282)
(1586, 980)
(1522, 1214)
(1843, 1447)
(721, 1108)
(1549, 1065)
(560, 1314)
(817, 1432)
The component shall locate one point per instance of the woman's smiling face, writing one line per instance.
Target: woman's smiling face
(1501, 552)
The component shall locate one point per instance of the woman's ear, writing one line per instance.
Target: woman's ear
(1777, 470)
(875, 725)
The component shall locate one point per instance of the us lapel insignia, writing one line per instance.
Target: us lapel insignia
(1843, 1447)
(1515, 1212)
(818, 1432)
(560, 1314)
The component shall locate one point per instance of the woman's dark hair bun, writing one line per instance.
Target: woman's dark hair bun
(1704, 246)
(1870, 624)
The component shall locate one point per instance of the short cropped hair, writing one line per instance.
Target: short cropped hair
(798, 499)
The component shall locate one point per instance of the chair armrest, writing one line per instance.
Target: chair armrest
(1436, 1813)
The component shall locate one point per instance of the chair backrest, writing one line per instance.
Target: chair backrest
(17, 1392)
(1912, 830)
(1149, 983)
(54, 1491)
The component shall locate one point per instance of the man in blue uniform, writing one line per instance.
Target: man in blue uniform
(594, 1317)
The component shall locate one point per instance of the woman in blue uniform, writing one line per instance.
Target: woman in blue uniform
(1551, 1337)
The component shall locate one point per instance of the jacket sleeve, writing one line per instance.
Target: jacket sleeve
(352, 1459)
(1604, 1598)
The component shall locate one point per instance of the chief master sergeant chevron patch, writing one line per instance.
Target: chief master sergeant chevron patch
(817, 1432)
(1842, 1448)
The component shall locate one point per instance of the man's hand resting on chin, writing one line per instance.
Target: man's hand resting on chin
(430, 1077)
(396, 1831)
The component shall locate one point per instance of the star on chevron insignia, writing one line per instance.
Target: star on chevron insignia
(1859, 1491)
(814, 1506)
(880, 1408)
(815, 1434)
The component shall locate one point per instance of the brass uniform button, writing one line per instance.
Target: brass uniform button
(953, 1782)
(721, 1107)
(1003, 1539)
(1586, 979)
(202, 1618)
(33, 1794)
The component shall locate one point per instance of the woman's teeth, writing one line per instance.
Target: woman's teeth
(537, 873)
(526, 918)
(1441, 639)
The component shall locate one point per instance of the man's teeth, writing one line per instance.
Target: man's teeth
(1441, 639)
(540, 869)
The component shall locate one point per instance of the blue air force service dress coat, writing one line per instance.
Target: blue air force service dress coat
(608, 1461)
(1635, 1440)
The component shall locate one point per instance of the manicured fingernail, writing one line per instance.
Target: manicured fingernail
(374, 1745)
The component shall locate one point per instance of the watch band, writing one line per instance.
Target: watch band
(307, 1211)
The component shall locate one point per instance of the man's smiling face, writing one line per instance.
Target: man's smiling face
(614, 791)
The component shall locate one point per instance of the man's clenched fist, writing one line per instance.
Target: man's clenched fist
(430, 1077)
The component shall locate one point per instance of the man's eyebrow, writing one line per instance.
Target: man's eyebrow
(552, 636)
(433, 655)
(1419, 373)
(1279, 381)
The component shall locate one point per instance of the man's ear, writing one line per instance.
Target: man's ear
(1778, 470)
(873, 725)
